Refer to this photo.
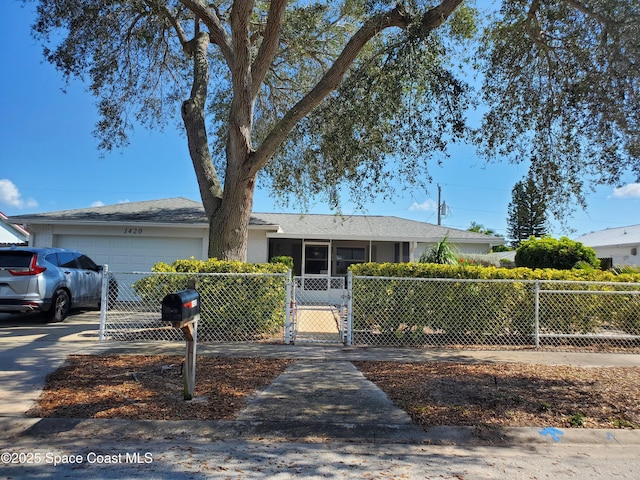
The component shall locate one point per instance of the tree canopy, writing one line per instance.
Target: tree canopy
(315, 98)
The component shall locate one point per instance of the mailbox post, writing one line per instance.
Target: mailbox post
(182, 309)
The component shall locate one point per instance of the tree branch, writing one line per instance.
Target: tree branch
(241, 111)
(193, 115)
(240, 36)
(396, 17)
(182, 36)
(269, 44)
(217, 33)
(590, 13)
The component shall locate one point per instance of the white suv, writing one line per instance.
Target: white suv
(50, 280)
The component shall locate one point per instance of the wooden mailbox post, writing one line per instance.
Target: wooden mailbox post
(182, 309)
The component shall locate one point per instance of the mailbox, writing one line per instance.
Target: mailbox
(181, 307)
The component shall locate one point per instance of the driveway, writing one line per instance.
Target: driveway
(31, 348)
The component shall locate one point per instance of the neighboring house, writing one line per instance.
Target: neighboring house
(134, 236)
(11, 234)
(619, 246)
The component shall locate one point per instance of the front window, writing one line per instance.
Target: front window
(346, 256)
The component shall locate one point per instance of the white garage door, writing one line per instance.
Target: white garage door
(126, 254)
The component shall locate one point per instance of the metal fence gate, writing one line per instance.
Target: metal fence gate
(318, 311)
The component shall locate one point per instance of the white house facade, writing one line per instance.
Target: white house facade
(135, 236)
(620, 245)
(11, 234)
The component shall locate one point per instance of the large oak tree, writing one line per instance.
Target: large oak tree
(315, 98)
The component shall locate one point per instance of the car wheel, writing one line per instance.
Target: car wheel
(59, 306)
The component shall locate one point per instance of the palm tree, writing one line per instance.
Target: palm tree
(442, 252)
(479, 228)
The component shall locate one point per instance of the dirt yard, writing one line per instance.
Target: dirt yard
(150, 387)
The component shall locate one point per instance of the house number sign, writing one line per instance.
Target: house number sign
(132, 231)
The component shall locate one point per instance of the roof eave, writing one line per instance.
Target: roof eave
(116, 223)
(365, 238)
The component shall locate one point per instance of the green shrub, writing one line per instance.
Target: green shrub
(283, 259)
(547, 252)
(234, 306)
(403, 308)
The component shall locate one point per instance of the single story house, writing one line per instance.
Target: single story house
(134, 236)
(618, 246)
(11, 234)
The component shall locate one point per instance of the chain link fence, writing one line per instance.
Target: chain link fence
(234, 307)
(595, 315)
(495, 313)
(368, 311)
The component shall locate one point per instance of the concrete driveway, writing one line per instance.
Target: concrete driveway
(31, 348)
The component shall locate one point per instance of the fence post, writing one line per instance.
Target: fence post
(536, 303)
(104, 301)
(349, 337)
(287, 307)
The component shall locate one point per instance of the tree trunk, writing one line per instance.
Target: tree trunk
(230, 222)
(228, 210)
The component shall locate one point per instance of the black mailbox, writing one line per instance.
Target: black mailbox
(181, 307)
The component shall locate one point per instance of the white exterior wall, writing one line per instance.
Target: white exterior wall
(622, 255)
(257, 246)
(41, 236)
(462, 248)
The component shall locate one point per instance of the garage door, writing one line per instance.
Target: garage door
(126, 254)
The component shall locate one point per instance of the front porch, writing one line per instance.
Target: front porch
(323, 259)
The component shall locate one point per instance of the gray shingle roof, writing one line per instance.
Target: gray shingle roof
(184, 211)
(168, 210)
(366, 227)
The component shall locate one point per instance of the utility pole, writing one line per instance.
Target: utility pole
(439, 207)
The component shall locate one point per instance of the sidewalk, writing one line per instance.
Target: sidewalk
(320, 397)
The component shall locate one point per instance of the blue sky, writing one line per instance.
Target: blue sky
(49, 159)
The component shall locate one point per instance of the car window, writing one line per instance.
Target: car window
(86, 263)
(52, 258)
(15, 259)
(67, 260)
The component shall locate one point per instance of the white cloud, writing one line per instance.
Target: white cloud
(10, 195)
(98, 203)
(427, 206)
(631, 190)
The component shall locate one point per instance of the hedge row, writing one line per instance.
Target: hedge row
(433, 270)
(406, 309)
(236, 304)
